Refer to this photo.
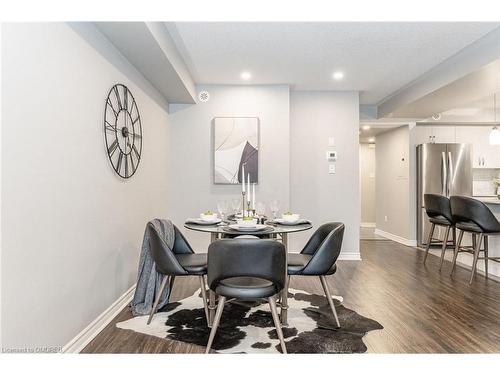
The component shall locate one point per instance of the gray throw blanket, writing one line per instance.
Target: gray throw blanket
(148, 280)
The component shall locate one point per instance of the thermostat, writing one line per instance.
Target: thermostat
(331, 155)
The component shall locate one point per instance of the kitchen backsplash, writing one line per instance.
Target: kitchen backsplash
(482, 183)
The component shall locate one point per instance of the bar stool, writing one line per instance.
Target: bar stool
(438, 210)
(473, 216)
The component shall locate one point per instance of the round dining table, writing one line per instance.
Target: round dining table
(274, 231)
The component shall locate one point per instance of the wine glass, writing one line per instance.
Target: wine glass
(260, 211)
(236, 205)
(275, 207)
(222, 207)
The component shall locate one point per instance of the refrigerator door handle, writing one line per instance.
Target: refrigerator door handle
(444, 173)
(450, 174)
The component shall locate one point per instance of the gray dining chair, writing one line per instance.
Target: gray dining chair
(319, 257)
(181, 260)
(246, 269)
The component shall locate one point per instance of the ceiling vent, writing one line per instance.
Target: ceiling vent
(203, 96)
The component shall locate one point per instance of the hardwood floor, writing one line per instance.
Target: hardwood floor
(422, 310)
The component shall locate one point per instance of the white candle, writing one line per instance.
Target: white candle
(248, 187)
(243, 178)
(253, 196)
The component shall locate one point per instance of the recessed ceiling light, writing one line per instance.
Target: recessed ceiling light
(246, 76)
(365, 127)
(371, 140)
(338, 76)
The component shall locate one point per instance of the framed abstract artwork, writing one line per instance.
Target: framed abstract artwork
(236, 143)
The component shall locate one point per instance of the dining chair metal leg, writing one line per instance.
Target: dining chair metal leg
(476, 257)
(204, 297)
(157, 300)
(457, 248)
(215, 323)
(429, 240)
(329, 298)
(277, 323)
(171, 286)
(211, 307)
(445, 245)
(485, 256)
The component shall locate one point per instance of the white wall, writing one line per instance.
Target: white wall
(191, 188)
(318, 195)
(393, 183)
(71, 228)
(367, 182)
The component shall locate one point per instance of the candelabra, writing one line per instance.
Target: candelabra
(243, 205)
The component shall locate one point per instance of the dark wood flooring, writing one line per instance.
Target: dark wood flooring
(422, 310)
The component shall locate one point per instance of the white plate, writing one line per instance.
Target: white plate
(202, 222)
(284, 222)
(255, 228)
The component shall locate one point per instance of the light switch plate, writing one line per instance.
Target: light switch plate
(331, 155)
(331, 141)
(331, 168)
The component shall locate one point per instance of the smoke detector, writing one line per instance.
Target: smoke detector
(436, 116)
(203, 96)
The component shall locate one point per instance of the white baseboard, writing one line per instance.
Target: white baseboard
(368, 225)
(81, 340)
(396, 238)
(349, 256)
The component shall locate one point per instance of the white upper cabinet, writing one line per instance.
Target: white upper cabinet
(484, 155)
(434, 134)
(443, 134)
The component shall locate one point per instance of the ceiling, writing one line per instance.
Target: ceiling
(370, 135)
(377, 58)
(478, 111)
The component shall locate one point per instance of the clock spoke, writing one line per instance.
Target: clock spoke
(125, 97)
(110, 127)
(132, 162)
(113, 147)
(136, 152)
(119, 163)
(126, 165)
(110, 105)
(117, 94)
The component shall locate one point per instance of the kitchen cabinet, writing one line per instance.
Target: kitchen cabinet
(434, 134)
(484, 155)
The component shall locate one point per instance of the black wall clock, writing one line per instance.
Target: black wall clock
(123, 131)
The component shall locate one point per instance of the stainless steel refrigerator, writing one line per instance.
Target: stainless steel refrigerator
(442, 168)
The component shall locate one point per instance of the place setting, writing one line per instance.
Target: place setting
(245, 215)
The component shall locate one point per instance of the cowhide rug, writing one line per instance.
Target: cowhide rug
(248, 327)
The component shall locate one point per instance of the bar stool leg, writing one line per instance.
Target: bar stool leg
(476, 257)
(445, 245)
(486, 256)
(431, 232)
(457, 248)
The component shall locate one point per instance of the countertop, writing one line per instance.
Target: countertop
(488, 200)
